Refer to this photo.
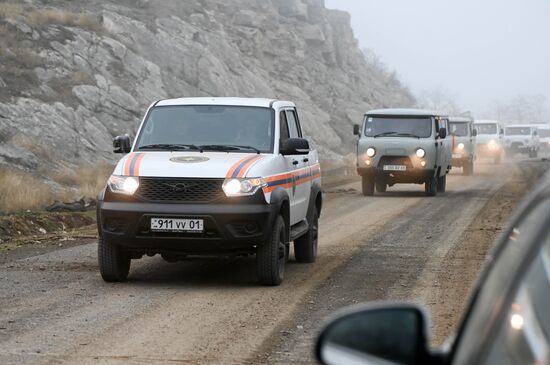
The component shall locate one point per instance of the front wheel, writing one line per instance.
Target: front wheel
(430, 186)
(305, 247)
(442, 184)
(271, 256)
(367, 185)
(114, 263)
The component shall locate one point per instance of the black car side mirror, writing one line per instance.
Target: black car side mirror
(442, 133)
(122, 144)
(474, 133)
(501, 130)
(356, 131)
(294, 146)
(394, 333)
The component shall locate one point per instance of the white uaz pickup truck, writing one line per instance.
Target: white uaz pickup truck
(212, 176)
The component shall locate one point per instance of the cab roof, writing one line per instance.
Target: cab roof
(460, 120)
(253, 102)
(406, 113)
(520, 126)
(486, 121)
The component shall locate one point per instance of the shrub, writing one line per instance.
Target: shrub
(20, 191)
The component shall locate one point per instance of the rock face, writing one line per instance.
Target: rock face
(75, 74)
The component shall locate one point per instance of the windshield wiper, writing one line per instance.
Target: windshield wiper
(223, 147)
(170, 147)
(396, 134)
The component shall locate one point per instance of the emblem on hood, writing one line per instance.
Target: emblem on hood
(189, 159)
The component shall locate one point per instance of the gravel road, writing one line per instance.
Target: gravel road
(54, 307)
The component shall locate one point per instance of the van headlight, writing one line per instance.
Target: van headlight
(461, 146)
(420, 153)
(242, 187)
(371, 151)
(126, 185)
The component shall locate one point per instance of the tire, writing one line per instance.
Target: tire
(430, 187)
(305, 247)
(271, 256)
(381, 186)
(114, 263)
(442, 183)
(468, 168)
(367, 186)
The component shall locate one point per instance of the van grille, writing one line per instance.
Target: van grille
(395, 160)
(177, 190)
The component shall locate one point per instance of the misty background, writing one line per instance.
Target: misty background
(488, 57)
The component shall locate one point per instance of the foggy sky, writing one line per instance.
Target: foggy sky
(481, 51)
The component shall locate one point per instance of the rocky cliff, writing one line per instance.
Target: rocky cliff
(73, 74)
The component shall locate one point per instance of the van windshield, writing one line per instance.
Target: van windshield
(488, 128)
(459, 129)
(208, 127)
(398, 127)
(544, 133)
(518, 131)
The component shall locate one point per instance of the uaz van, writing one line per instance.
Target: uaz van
(463, 136)
(403, 146)
(489, 139)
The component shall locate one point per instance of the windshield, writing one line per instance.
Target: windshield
(208, 127)
(517, 131)
(486, 128)
(459, 129)
(544, 133)
(398, 127)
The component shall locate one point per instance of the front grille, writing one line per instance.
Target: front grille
(395, 160)
(177, 190)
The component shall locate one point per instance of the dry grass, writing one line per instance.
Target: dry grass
(37, 18)
(20, 191)
(85, 181)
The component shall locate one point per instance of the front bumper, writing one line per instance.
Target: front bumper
(411, 176)
(459, 160)
(227, 227)
(487, 150)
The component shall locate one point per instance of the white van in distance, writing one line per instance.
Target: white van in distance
(489, 139)
(463, 136)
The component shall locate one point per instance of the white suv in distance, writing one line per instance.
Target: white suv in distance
(521, 139)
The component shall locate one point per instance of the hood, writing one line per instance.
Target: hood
(188, 164)
(485, 138)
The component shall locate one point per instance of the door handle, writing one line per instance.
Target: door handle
(306, 159)
(295, 162)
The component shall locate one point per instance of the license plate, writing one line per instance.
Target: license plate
(395, 168)
(177, 225)
(457, 155)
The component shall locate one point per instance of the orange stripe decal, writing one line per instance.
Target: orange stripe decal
(248, 165)
(138, 164)
(127, 163)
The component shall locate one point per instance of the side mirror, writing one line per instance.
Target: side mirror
(356, 131)
(122, 144)
(294, 146)
(474, 133)
(535, 133)
(394, 334)
(442, 133)
(501, 130)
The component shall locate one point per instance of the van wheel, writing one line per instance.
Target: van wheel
(442, 184)
(305, 247)
(468, 168)
(114, 263)
(271, 256)
(381, 186)
(367, 186)
(430, 187)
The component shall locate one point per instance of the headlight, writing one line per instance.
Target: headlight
(242, 187)
(371, 152)
(420, 153)
(492, 141)
(461, 146)
(126, 185)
